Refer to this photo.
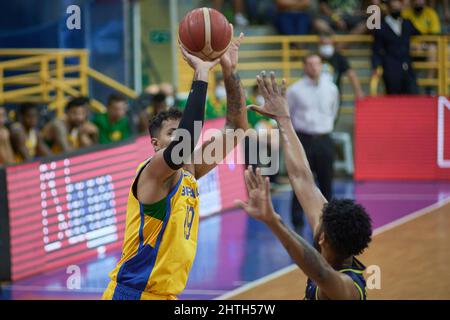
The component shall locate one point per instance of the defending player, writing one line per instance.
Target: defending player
(342, 228)
(163, 206)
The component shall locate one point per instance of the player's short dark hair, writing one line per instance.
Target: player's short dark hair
(156, 122)
(347, 227)
(116, 97)
(77, 102)
(27, 106)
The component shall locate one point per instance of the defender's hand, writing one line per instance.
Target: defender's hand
(259, 204)
(275, 103)
(229, 59)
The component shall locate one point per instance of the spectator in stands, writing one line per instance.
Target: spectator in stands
(158, 103)
(26, 139)
(314, 103)
(74, 131)
(426, 20)
(336, 65)
(423, 17)
(445, 6)
(170, 93)
(238, 8)
(391, 50)
(347, 16)
(114, 125)
(293, 17)
(6, 152)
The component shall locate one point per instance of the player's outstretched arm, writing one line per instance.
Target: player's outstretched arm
(168, 160)
(332, 284)
(236, 116)
(300, 175)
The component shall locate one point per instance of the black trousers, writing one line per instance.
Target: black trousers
(400, 81)
(320, 153)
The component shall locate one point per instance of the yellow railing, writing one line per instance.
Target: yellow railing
(50, 76)
(283, 54)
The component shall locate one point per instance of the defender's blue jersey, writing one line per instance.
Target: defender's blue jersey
(355, 272)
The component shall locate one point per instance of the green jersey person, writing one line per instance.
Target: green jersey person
(113, 126)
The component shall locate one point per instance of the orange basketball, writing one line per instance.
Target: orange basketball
(205, 33)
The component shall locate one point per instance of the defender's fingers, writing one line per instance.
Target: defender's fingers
(274, 83)
(260, 110)
(266, 83)
(249, 181)
(243, 205)
(283, 87)
(252, 177)
(259, 178)
(267, 185)
(261, 86)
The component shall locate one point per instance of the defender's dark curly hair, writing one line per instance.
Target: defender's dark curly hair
(347, 227)
(155, 123)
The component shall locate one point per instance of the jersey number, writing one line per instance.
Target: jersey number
(188, 221)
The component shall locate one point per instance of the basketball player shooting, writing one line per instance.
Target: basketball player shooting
(163, 206)
(342, 229)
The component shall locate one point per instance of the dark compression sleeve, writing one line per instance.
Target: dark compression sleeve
(194, 112)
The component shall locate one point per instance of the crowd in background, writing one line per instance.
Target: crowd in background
(29, 135)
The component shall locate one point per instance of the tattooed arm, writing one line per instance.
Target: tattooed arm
(217, 147)
(332, 284)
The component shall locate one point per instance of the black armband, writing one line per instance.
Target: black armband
(193, 113)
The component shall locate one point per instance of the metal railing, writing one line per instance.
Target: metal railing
(283, 54)
(50, 76)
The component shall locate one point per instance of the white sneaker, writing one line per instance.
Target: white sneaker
(240, 20)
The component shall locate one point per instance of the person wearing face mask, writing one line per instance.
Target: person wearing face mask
(336, 65)
(426, 20)
(423, 17)
(391, 51)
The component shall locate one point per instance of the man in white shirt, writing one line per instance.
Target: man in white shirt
(314, 104)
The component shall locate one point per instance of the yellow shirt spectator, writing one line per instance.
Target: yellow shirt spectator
(427, 21)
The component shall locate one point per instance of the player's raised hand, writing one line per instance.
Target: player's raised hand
(275, 103)
(259, 204)
(229, 59)
(195, 62)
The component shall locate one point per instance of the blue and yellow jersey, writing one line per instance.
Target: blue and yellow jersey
(355, 272)
(159, 245)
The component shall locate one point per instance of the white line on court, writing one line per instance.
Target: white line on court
(293, 267)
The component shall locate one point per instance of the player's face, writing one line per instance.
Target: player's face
(166, 134)
(30, 118)
(313, 67)
(77, 115)
(395, 5)
(117, 110)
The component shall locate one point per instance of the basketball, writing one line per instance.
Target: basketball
(205, 33)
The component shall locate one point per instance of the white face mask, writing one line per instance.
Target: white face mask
(220, 93)
(259, 100)
(170, 101)
(326, 50)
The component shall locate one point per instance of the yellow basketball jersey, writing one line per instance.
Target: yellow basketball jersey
(31, 141)
(160, 244)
